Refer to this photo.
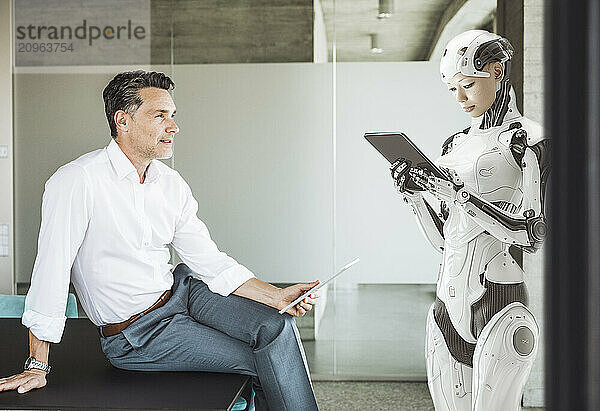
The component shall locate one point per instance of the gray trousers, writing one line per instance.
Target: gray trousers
(198, 330)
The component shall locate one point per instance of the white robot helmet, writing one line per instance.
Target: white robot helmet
(469, 52)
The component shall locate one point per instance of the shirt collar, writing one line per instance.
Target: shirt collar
(124, 167)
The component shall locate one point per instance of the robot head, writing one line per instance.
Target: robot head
(469, 52)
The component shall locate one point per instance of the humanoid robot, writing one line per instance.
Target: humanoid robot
(481, 337)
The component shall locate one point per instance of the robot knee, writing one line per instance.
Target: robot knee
(504, 354)
(524, 340)
(525, 333)
(518, 326)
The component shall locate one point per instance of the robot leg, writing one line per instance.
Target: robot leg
(449, 381)
(504, 354)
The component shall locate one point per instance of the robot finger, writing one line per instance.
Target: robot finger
(423, 183)
(455, 177)
(420, 180)
(399, 168)
(400, 184)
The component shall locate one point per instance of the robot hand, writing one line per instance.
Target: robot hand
(401, 173)
(449, 191)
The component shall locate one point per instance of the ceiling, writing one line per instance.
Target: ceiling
(410, 34)
(274, 31)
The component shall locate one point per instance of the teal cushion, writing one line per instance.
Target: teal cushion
(12, 306)
(251, 406)
(241, 403)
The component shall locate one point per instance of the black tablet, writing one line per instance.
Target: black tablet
(397, 145)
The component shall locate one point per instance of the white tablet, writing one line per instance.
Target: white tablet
(316, 287)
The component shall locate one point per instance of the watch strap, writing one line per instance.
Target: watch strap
(32, 363)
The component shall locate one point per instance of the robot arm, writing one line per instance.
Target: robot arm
(428, 221)
(528, 230)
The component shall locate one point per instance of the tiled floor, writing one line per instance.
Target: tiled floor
(367, 396)
(372, 332)
(397, 396)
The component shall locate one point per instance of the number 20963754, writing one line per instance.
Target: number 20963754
(44, 47)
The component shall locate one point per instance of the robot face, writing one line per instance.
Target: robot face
(475, 95)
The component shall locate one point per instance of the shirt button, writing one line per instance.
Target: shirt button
(146, 243)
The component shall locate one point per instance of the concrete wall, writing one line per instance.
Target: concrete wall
(533, 107)
(6, 151)
(241, 31)
(522, 22)
(509, 23)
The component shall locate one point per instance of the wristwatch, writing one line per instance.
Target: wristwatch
(38, 365)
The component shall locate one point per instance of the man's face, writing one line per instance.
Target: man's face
(153, 126)
(475, 94)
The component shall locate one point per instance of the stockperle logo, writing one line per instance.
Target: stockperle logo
(81, 32)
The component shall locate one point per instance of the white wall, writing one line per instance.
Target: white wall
(372, 220)
(58, 115)
(6, 141)
(259, 161)
(256, 148)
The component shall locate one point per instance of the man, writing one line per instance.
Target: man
(107, 218)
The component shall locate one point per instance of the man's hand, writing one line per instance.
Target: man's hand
(279, 298)
(26, 381)
(289, 294)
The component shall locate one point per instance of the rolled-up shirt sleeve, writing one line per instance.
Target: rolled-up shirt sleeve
(66, 210)
(193, 244)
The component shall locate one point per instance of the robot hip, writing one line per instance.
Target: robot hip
(495, 298)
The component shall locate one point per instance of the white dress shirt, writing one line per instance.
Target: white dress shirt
(108, 234)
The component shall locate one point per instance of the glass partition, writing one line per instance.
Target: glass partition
(386, 63)
(254, 106)
(273, 99)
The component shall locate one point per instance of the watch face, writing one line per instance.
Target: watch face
(33, 363)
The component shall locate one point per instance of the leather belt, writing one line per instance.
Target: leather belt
(113, 329)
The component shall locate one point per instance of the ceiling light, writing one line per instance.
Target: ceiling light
(386, 9)
(375, 49)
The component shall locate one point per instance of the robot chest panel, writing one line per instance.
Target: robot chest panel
(487, 167)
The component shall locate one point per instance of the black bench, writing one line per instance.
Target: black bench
(83, 377)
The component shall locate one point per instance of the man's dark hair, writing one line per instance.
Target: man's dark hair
(122, 92)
